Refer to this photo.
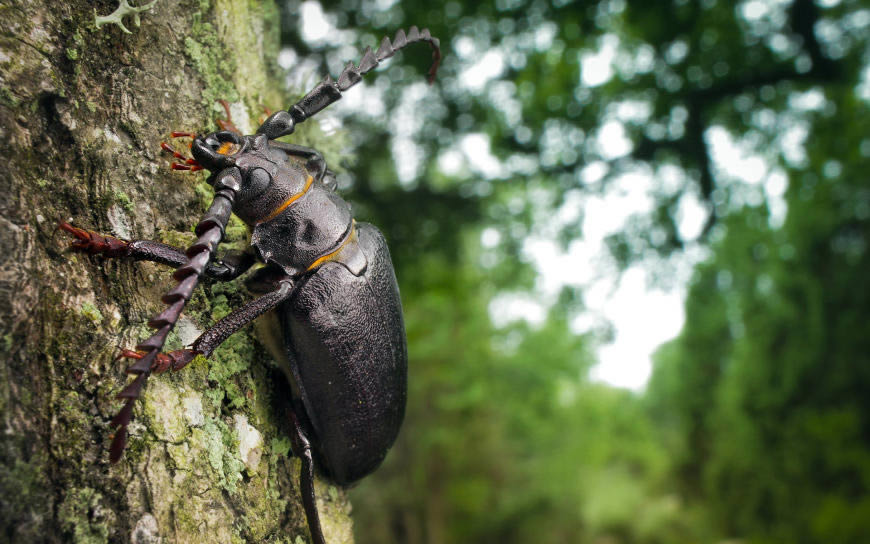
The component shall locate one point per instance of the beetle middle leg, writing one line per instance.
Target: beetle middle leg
(220, 331)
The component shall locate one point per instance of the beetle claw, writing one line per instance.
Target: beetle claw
(174, 360)
(94, 243)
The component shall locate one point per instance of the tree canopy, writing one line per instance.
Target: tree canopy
(742, 129)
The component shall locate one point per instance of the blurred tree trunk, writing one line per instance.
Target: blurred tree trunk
(82, 112)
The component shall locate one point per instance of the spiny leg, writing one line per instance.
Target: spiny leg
(148, 359)
(209, 231)
(217, 333)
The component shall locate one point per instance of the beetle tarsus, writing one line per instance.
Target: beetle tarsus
(174, 360)
(93, 243)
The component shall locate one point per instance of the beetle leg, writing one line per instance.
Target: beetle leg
(93, 243)
(302, 448)
(315, 163)
(232, 265)
(227, 124)
(175, 360)
(236, 320)
(265, 279)
(207, 341)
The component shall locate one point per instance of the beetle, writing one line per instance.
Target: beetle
(327, 279)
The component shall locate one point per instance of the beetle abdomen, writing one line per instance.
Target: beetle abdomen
(347, 338)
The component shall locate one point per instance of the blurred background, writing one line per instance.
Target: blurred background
(631, 238)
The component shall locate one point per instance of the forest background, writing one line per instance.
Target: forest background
(718, 151)
(743, 131)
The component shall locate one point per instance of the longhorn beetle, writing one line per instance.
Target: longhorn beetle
(328, 278)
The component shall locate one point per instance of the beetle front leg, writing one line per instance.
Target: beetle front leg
(232, 265)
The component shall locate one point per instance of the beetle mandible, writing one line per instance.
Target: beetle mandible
(329, 279)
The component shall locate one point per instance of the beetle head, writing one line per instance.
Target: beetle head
(217, 150)
(254, 169)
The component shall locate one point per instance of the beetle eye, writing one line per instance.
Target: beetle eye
(258, 181)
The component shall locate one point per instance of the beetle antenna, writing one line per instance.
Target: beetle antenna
(328, 91)
(209, 231)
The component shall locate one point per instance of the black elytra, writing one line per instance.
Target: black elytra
(329, 280)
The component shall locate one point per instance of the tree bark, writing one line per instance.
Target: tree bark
(83, 110)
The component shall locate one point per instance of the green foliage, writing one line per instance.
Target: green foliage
(754, 426)
(775, 424)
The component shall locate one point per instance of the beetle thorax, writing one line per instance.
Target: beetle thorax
(268, 185)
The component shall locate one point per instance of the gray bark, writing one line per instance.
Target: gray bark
(82, 113)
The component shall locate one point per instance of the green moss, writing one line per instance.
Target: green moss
(221, 447)
(72, 53)
(27, 482)
(176, 238)
(82, 514)
(205, 51)
(124, 200)
(91, 312)
(280, 446)
(7, 98)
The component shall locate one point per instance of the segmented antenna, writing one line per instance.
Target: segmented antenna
(209, 231)
(328, 91)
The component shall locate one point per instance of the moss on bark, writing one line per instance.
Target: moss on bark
(82, 112)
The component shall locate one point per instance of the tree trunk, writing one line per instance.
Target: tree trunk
(83, 110)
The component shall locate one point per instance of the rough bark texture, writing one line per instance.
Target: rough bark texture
(82, 112)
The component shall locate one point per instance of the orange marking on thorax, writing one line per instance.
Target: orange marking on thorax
(333, 254)
(289, 201)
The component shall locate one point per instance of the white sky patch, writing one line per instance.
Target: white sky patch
(596, 68)
(366, 99)
(287, 58)
(315, 26)
(792, 144)
(489, 67)
(863, 88)
(644, 319)
(508, 307)
(775, 186)
(480, 159)
(734, 159)
(451, 161)
(636, 111)
(605, 214)
(754, 9)
(812, 100)
(612, 142)
(407, 155)
(691, 216)
(593, 172)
